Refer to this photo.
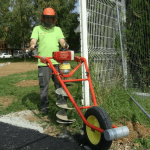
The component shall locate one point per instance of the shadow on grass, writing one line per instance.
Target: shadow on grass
(32, 100)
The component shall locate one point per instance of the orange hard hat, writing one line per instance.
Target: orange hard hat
(50, 12)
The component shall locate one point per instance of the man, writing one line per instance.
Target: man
(48, 37)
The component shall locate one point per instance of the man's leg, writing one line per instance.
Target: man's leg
(56, 82)
(44, 78)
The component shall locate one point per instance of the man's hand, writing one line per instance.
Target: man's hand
(32, 47)
(63, 44)
(66, 45)
(32, 44)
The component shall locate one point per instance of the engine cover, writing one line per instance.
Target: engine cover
(62, 56)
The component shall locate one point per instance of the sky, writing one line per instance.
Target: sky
(77, 7)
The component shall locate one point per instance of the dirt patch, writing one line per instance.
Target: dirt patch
(136, 131)
(6, 101)
(43, 121)
(33, 117)
(50, 130)
(25, 83)
(17, 68)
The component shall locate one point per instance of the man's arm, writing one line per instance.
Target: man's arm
(32, 44)
(63, 43)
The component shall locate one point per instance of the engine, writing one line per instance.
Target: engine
(64, 57)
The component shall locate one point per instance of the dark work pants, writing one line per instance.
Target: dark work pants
(44, 74)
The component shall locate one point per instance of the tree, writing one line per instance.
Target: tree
(18, 21)
(22, 15)
(69, 22)
(138, 42)
(4, 9)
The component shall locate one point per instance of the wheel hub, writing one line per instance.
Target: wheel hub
(93, 135)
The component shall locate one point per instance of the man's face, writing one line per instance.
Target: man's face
(48, 20)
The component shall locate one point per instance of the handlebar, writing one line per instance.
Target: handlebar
(43, 59)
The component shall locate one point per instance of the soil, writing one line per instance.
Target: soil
(19, 67)
(5, 101)
(136, 129)
(25, 83)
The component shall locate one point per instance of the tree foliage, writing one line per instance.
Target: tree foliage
(20, 16)
(19, 22)
(138, 41)
(3, 18)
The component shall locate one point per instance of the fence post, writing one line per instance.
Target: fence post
(122, 53)
(84, 50)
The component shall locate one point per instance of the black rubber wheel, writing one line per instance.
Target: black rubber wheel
(98, 117)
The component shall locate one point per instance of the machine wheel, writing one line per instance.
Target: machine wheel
(98, 117)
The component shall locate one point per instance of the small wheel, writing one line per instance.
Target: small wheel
(98, 117)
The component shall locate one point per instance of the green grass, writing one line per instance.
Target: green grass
(143, 143)
(116, 100)
(121, 108)
(29, 97)
(8, 88)
(113, 98)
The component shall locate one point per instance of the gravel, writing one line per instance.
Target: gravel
(4, 64)
(18, 119)
(21, 134)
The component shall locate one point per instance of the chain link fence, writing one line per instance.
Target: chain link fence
(138, 52)
(103, 40)
(125, 59)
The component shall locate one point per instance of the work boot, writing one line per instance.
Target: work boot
(44, 111)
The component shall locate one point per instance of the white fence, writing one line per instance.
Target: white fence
(101, 35)
(102, 28)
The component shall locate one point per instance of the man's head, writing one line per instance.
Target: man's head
(48, 17)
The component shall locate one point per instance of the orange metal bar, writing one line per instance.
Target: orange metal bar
(114, 126)
(74, 80)
(86, 107)
(62, 82)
